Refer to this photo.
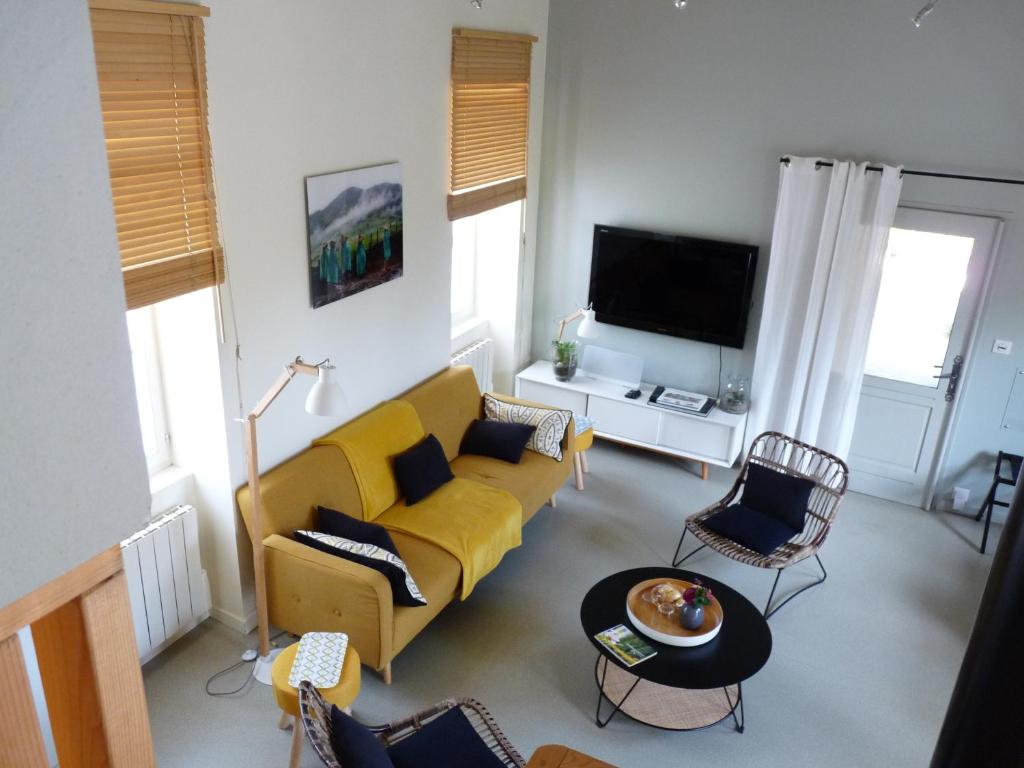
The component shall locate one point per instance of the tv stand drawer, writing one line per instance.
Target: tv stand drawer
(624, 419)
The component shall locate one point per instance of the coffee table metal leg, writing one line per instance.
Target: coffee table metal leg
(739, 703)
(601, 695)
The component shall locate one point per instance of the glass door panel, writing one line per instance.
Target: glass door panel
(922, 278)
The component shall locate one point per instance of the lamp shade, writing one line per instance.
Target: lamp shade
(325, 398)
(588, 326)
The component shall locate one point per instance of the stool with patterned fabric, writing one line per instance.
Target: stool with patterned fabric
(584, 439)
(342, 695)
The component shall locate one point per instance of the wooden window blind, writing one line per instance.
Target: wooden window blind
(151, 64)
(490, 117)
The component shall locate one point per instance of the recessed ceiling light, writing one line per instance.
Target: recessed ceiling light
(680, 3)
(478, 4)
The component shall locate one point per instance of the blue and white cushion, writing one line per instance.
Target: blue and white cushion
(403, 586)
(583, 423)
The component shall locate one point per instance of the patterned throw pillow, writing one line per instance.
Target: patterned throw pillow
(403, 588)
(550, 424)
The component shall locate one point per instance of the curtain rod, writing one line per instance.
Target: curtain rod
(932, 174)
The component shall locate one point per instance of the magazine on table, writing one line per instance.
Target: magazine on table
(625, 645)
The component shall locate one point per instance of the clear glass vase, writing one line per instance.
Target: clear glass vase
(565, 359)
(736, 397)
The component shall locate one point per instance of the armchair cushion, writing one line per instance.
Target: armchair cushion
(449, 741)
(339, 524)
(403, 587)
(354, 744)
(750, 528)
(421, 470)
(777, 495)
(496, 440)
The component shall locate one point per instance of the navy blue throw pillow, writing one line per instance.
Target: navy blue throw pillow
(497, 440)
(340, 524)
(778, 495)
(354, 744)
(450, 741)
(754, 530)
(422, 469)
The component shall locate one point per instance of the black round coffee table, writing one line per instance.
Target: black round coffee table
(679, 689)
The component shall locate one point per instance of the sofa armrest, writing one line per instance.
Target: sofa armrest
(313, 591)
(568, 440)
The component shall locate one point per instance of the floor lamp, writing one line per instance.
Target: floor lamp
(325, 399)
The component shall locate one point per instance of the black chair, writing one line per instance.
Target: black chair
(998, 479)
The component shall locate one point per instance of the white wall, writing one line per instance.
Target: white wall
(72, 471)
(306, 88)
(674, 120)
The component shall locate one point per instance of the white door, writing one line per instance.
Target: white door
(932, 281)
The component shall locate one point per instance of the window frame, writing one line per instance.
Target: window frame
(145, 351)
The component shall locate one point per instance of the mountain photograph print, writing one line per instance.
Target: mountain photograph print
(354, 222)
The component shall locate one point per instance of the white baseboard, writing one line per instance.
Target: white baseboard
(242, 625)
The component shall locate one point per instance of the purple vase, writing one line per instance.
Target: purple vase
(691, 616)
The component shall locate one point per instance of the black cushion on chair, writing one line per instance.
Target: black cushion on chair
(340, 524)
(750, 528)
(497, 440)
(777, 495)
(450, 741)
(354, 744)
(422, 469)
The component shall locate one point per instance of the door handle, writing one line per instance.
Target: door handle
(953, 377)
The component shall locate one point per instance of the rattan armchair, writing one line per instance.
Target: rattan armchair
(316, 721)
(784, 454)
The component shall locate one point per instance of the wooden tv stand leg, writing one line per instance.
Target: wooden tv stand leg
(703, 470)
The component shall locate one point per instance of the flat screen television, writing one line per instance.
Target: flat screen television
(670, 284)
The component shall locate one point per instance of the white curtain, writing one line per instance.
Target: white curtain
(828, 243)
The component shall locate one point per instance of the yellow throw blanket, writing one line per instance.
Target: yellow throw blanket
(475, 523)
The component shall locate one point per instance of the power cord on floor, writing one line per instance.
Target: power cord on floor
(228, 670)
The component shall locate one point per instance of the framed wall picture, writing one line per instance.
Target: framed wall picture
(354, 225)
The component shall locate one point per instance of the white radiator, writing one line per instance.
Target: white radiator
(166, 582)
(480, 357)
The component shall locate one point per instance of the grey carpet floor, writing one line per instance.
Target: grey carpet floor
(860, 673)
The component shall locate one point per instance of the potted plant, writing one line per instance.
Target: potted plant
(691, 613)
(565, 359)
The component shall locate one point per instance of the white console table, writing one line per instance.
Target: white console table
(713, 439)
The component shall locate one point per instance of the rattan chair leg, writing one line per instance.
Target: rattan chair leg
(676, 560)
(769, 611)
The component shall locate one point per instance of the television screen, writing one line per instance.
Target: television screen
(679, 286)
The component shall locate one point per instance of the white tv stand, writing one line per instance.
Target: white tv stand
(713, 439)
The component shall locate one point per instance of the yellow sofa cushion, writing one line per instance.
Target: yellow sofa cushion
(447, 404)
(474, 522)
(532, 481)
(370, 444)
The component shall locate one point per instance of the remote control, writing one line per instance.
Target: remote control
(633, 394)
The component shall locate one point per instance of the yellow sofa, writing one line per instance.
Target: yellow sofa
(349, 470)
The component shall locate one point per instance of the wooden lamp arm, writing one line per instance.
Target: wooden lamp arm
(565, 321)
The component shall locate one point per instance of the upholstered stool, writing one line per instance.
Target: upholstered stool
(342, 695)
(584, 439)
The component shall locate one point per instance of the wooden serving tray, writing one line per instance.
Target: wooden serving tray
(667, 629)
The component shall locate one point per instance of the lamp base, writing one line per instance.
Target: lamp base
(261, 671)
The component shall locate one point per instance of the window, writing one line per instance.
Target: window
(485, 256)
(149, 391)
(151, 67)
(490, 120)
